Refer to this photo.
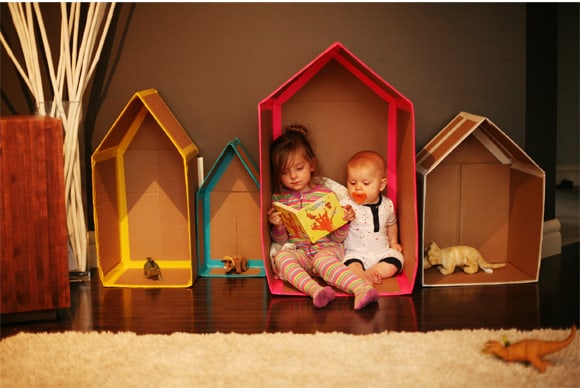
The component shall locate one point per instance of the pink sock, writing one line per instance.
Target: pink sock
(323, 297)
(364, 298)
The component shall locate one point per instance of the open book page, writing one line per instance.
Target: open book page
(314, 221)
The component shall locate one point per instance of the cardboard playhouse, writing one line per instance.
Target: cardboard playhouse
(347, 108)
(478, 188)
(144, 184)
(228, 215)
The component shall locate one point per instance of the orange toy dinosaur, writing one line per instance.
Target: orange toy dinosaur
(530, 350)
(238, 264)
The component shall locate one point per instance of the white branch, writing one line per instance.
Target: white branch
(75, 66)
(17, 64)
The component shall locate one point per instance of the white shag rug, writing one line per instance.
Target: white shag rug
(448, 358)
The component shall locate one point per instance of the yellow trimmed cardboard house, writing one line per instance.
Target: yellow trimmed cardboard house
(144, 184)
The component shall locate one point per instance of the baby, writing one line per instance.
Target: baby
(372, 249)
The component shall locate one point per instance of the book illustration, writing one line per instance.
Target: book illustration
(314, 221)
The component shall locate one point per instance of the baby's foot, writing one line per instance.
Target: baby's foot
(373, 276)
(364, 297)
(323, 297)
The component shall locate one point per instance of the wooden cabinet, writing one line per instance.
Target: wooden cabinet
(34, 273)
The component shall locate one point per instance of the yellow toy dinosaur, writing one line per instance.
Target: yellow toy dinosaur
(468, 258)
(530, 350)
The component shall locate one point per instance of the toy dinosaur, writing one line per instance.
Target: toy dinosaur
(152, 270)
(457, 256)
(530, 350)
(236, 263)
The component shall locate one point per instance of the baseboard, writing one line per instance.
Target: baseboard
(569, 172)
(552, 238)
(92, 251)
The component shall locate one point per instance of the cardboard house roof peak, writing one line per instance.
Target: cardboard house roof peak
(233, 147)
(131, 117)
(339, 53)
(499, 145)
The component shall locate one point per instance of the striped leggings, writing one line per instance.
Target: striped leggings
(297, 268)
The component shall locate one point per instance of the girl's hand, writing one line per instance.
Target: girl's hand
(274, 217)
(349, 214)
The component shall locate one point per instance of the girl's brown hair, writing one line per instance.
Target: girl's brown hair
(294, 138)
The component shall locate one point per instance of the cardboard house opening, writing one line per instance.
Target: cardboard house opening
(481, 190)
(143, 193)
(228, 214)
(347, 108)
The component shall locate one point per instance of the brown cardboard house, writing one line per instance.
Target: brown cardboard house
(478, 188)
(144, 184)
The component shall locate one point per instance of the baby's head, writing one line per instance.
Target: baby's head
(290, 150)
(366, 177)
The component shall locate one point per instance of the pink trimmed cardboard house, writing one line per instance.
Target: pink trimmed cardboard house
(347, 108)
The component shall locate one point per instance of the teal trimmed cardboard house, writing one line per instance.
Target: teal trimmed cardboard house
(228, 214)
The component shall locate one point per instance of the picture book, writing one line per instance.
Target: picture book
(314, 221)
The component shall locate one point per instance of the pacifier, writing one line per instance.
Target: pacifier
(359, 197)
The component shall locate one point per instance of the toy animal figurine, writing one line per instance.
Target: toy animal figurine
(152, 270)
(236, 263)
(457, 256)
(529, 350)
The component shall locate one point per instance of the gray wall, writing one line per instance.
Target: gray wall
(568, 142)
(213, 63)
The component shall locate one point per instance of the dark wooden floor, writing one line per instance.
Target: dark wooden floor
(246, 306)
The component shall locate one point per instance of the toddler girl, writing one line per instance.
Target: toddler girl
(293, 164)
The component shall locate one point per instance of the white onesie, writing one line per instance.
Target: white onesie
(367, 238)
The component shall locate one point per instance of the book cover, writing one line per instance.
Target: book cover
(314, 221)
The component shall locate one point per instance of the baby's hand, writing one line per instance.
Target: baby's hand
(397, 246)
(274, 217)
(349, 214)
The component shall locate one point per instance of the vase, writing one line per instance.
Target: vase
(70, 113)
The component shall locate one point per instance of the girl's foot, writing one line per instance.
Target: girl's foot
(323, 297)
(365, 297)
